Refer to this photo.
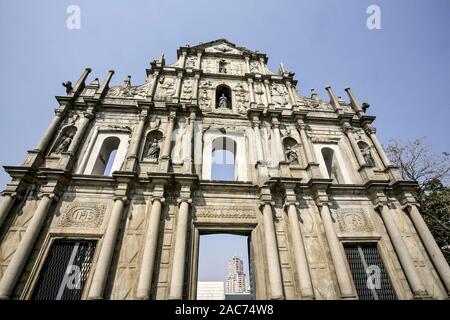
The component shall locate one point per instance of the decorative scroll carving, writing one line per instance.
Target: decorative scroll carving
(128, 91)
(204, 97)
(82, 214)
(166, 88)
(191, 62)
(353, 220)
(187, 90)
(241, 98)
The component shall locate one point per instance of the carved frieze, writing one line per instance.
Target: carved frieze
(234, 213)
(83, 215)
(353, 220)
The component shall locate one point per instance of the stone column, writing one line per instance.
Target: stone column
(199, 60)
(195, 88)
(133, 152)
(290, 93)
(6, 205)
(279, 156)
(273, 261)
(151, 90)
(176, 96)
(179, 256)
(150, 245)
(87, 116)
(301, 260)
(406, 261)
(259, 147)
(263, 65)
(268, 95)
(20, 257)
(247, 63)
(250, 88)
(370, 130)
(310, 157)
(430, 244)
(189, 160)
(165, 154)
(107, 250)
(339, 261)
(350, 135)
(42, 145)
(183, 59)
(354, 103)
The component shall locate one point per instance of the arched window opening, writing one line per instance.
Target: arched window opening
(104, 164)
(332, 165)
(153, 145)
(223, 97)
(365, 150)
(223, 159)
(290, 150)
(64, 140)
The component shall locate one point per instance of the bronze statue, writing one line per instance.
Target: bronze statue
(153, 149)
(68, 86)
(291, 154)
(223, 101)
(64, 145)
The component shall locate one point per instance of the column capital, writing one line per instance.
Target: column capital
(370, 129)
(49, 195)
(124, 199)
(347, 128)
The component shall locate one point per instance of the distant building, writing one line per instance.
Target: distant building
(210, 290)
(236, 280)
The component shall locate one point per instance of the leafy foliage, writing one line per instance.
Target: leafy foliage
(416, 162)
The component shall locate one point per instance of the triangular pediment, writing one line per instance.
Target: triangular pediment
(222, 46)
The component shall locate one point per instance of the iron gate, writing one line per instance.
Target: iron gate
(65, 270)
(369, 275)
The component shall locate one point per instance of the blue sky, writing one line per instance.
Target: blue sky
(402, 70)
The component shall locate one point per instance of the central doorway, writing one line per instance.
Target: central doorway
(223, 268)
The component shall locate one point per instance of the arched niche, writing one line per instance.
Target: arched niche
(64, 139)
(152, 146)
(223, 97)
(367, 154)
(291, 150)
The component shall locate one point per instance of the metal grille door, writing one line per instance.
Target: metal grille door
(370, 277)
(65, 270)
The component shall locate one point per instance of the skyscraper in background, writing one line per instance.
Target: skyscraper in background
(236, 280)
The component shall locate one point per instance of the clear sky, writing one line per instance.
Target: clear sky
(402, 70)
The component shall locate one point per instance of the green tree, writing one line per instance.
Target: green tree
(432, 172)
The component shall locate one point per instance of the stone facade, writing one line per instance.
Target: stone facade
(310, 178)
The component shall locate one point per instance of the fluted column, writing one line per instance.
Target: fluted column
(339, 261)
(273, 261)
(259, 147)
(43, 143)
(150, 246)
(199, 60)
(430, 244)
(406, 261)
(268, 95)
(350, 135)
(371, 131)
(20, 257)
(247, 64)
(107, 250)
(290, 93)
(301, 260)
(279, 156)
(263, 65)
(151, 90)
(188, 161)
(250, 88)
(165, 154)
(306, 144)
(136, 143)
(179, 258)
(6, 205)
(183, 59)
(86, 118)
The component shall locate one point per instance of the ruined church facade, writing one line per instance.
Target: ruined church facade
(113, 200)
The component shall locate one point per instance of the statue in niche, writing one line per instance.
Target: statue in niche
(368, 156)
(223, 101)
(291, 154)
(222, 66)
(153, 149)
(64, 145)
(254, 66)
